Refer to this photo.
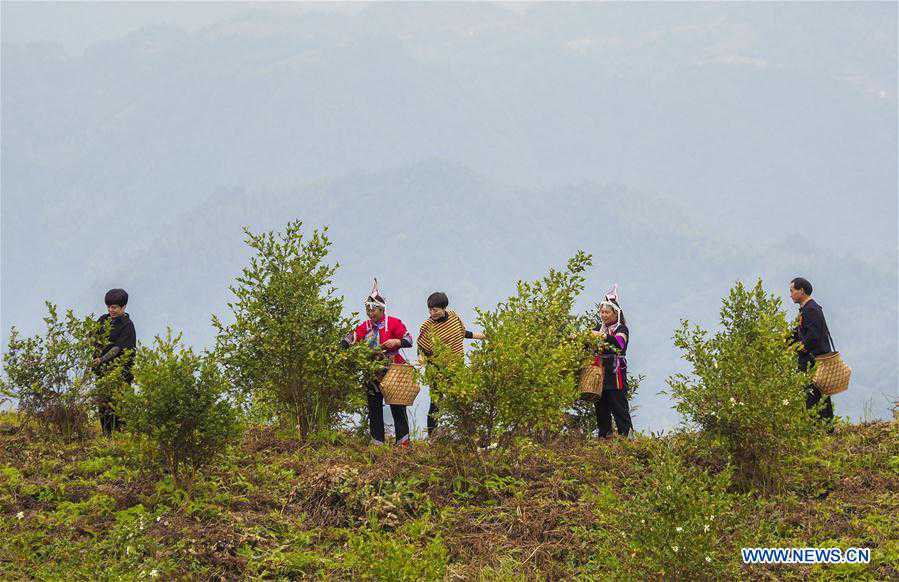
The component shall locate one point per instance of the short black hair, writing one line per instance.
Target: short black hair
(800, 283)
(438, 299)
(116, 297)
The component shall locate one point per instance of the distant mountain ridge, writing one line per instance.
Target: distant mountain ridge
(436, 225)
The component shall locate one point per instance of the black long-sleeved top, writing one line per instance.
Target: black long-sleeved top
(613, 356)
(123, 337)
(812, 334)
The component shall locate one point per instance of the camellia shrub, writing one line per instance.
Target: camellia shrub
(677, 520)
(523, 378)
(283, 349)
(180, 404)
(49, 375)
(745, 392)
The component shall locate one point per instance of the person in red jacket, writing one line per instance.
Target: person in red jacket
(388, 334)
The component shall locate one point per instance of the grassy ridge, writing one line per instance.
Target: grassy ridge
(334, 507)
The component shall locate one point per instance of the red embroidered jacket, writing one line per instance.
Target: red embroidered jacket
(388, 328)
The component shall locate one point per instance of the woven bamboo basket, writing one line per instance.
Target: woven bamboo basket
(399, 386)
(831, 373)
(590, 382)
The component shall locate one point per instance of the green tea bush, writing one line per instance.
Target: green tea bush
(409, 553)
(745, 392)
(677, 522)
(524, 377)
(50, 376)
(180, 404)
(283, 348)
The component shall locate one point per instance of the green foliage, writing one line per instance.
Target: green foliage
(96, 505)
(745, 392)
(407, 554)
(523, 378)
(278, 508)
(283, 348)
(678, 520)
(180, 403)
(50, 375)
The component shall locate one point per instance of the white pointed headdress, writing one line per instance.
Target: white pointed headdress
(375, 299)
(611, 300)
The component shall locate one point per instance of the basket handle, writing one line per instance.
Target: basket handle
(833, 348)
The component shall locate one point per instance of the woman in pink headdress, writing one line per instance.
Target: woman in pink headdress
(614, 335)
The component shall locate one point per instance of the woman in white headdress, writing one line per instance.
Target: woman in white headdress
(387, 334)
(614, 335)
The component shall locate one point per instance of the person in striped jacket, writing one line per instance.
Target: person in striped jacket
(446, 325)
(612, 330)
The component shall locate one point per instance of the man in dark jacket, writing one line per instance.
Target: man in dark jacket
(814, 339)
(117, 347)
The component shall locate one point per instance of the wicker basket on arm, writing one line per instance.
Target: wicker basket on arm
(399, 385)
(831, 372)
(590, 382)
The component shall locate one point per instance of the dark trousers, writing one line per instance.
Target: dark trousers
(376, 416)
(432, 417)
(613, 403)
(109, 420)
(813, 396)
(433, 410)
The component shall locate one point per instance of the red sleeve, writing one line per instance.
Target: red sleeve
(359, 334)
(398, 329)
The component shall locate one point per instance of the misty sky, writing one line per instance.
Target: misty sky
(78, 25)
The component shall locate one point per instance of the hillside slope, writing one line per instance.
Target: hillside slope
(275, 508)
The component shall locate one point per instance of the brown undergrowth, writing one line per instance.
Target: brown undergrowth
(278, 508)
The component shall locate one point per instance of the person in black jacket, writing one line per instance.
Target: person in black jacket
(614, 335)
(814, 339)
(119, 344)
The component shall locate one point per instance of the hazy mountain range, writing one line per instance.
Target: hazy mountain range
(684, 146)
